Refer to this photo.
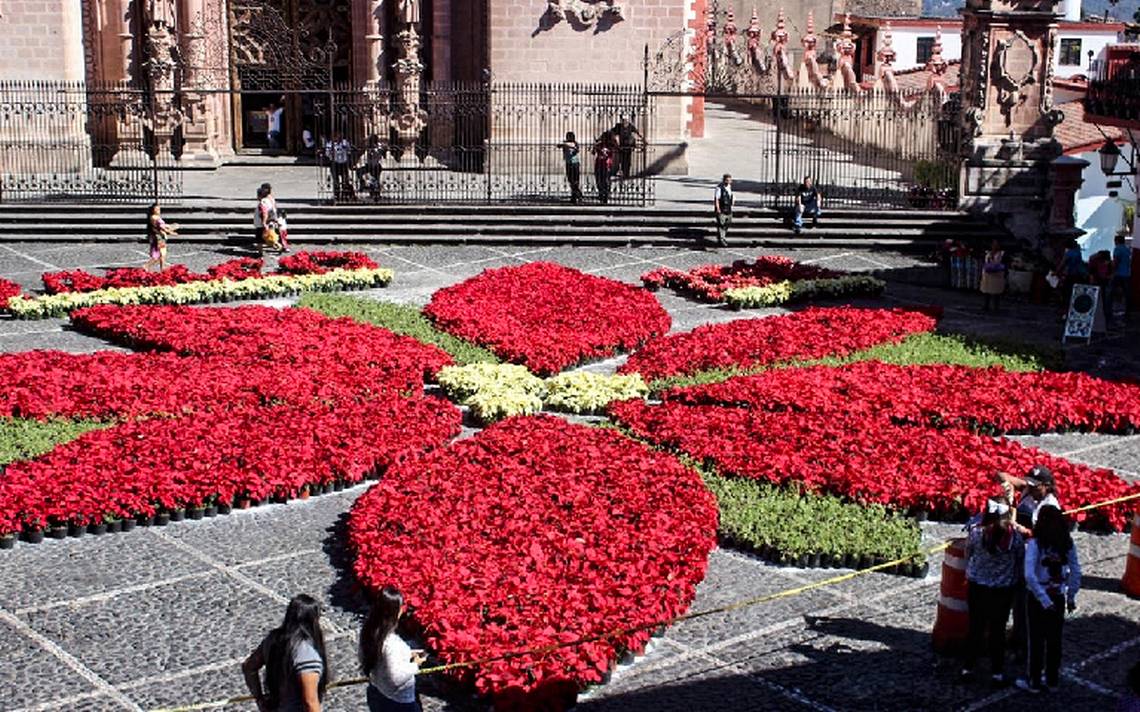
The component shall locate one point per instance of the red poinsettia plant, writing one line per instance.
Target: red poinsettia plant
(533, 533)
(8, 289)
(710, 282)
(548, 317)
(812, 333)
(321, 262)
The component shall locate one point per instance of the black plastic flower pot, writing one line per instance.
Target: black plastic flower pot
(177, 515)
(864, 562)
(814, 560)
(7, 541)
(97, 529)
(33, 536)
(224, 508)
(338, 485)
(626, 658)
(76, 530)
(210, 511)
(127, 525)
(195, 513)
(59, 532)
(161, 519)
(114, 526)
(802, 561)
(850, 561)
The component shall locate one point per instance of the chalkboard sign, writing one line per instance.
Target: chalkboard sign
(1084, 313)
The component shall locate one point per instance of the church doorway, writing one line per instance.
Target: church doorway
(285, 57)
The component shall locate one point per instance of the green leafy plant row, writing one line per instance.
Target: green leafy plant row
(926, 348)
(811, 529)
(22, 439)
(399, 319)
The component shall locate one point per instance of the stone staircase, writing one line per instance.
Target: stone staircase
(492, 225)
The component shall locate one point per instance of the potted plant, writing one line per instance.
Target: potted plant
(177, 514)
(57, 530)
(195, 512)
(114, 524)
(98, 527)
(76, 529)
(7, 540)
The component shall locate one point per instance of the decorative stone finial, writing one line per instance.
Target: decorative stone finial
(730, 30)
(780, 34)
(886, 54)
(936, 64)
(845, 45)
(753, 33)
(809, 40)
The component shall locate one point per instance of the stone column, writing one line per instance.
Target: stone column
(1007, 111)
(368, 41)
(200, 105)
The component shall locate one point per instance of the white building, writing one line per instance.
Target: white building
(1079, 44)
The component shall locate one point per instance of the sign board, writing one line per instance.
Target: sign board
(1084, 313)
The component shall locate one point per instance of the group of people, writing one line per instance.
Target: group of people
(613, 157)
(809, 203)
(341, 155)
(296, 662)
(1020, 558)
(1111, 271)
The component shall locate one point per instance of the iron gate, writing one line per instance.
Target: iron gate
(480, 143)
(69, 141)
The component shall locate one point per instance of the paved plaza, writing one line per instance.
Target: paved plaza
(161, 617)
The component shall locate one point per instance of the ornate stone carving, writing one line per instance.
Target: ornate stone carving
(1017, 64)
(584, 12)
(410, 119)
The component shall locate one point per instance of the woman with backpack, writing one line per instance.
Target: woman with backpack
(1052, 579)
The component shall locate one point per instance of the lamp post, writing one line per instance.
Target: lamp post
(1109, 155)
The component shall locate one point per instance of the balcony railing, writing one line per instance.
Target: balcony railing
(1114, 101)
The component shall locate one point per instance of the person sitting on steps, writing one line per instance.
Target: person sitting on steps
(808, 202)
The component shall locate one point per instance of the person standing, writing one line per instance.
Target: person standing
(157, 230)
(1071, 268)
(994, 562)
(373, 166)
(603, 165)
(571, 156)
(723, 202)
(993, 277)
(808, 202)
(627, 135)
(1052, 577)
(293, 656)
(275, 115)
(338, 152)
(1121, 277)
(391, 666)
(265, 214)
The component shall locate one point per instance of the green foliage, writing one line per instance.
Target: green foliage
(24, 439)
(763, 517)
(399, 319)
(940, 175)
(958, 350)
(916, 349)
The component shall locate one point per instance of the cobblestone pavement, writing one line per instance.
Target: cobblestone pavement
(160, 617)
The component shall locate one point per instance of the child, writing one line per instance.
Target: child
(282, 230)
(1052, 578)
(157, 230)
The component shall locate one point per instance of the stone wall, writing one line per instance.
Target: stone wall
(41, 39)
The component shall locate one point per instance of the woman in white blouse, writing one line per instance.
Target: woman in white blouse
(391, 666)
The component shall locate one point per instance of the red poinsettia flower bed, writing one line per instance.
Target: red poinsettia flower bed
(710, 282)
(283, 337)
(946, 472)
(532, 533)
(254, 400)
(239, 450)
(992, 399)
(8, 289)
(548, 317)
(321, 262)
(236, 270)
(809, 334)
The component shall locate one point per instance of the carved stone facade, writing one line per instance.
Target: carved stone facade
(1007, 110)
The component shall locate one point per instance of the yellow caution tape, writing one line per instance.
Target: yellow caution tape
(618, 632)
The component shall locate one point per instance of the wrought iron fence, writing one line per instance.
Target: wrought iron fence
(865, 150)
(69, 141)
(478, 142)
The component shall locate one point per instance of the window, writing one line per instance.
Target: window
(1070, 52)
(923, 49)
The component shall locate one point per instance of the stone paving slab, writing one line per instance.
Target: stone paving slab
(183, 605)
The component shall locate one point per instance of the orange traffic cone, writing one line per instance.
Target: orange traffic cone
(1131, 580)
(952, 626)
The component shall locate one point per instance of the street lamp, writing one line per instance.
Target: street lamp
(1109, 155)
